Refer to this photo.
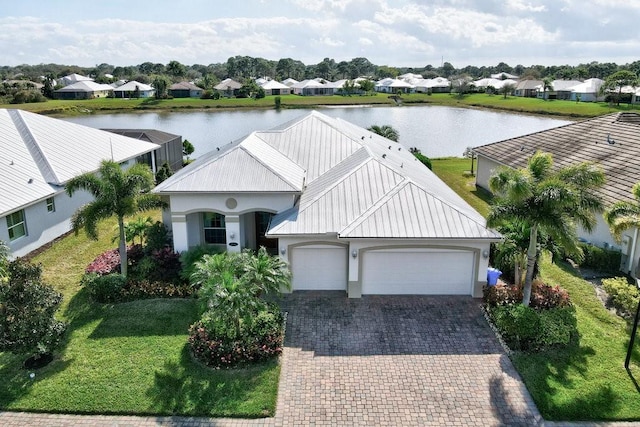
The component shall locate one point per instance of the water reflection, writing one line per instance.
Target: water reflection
(437, 131)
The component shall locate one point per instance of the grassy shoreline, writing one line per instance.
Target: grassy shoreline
(65, 108)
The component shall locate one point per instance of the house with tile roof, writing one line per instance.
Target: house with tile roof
(228, 87)
(39, 156)
(185, 90)
(348, 210)
(612, 141)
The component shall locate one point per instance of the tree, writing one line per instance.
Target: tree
(349, 87)
(387, 131)
(507, 89)
(624, 214)
(367, 86)
(616, 81)
(163, 173)
(176, 69)
(116, 192)
(470, 154)
(547, 84)
(161, 85)
(187, 149)
(27, 311)
(547, 200)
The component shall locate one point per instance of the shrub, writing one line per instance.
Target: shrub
(423, 159)
(526, 329)
(157, 237)
(145, 289)
(108, 262)
(278, 102)
(262, 338)
(600, 259)
(193, 255)
(543, 296)
(104, 288)
(27, 310)
(623, 295)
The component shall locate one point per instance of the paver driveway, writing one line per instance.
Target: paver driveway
(401, 360)
(375, 361)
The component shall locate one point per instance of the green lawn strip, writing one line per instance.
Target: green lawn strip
(481, 100)
(455, 172)
(129, 358)
(586, 381)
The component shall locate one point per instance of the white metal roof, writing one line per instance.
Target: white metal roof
(40, 154)
(272, 84)
(131, 86)
(85, 86)
(352, 183)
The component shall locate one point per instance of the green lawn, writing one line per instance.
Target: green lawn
(586, 381)
(128, 358)
(481, 100)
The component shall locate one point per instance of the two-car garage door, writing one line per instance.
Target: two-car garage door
(408, 271)
(415, 271)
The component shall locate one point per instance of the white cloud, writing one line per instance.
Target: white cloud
(520, 5)
(365, 41)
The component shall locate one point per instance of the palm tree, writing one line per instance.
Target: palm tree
(266, 273)
(546, 200)
(624, 214)
(387, 131)
(116, 192)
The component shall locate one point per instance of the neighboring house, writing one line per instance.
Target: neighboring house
(612, 141)
(390, 85)
(588, 91)
(348, 210)
(337, 87)
(185, 90)
(228, 87)
(128, 90)
(311, 87)
(491, 82)
(435, 85)
(170, 150)
(84, 90)
(73, 78)
(527, 88)
(272, 87)
(560, 89)
(39, 155)
(410, 77)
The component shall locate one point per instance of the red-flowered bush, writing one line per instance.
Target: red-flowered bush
(543, 296)
(261, 340)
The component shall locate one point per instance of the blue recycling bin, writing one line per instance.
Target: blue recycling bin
(492, 276)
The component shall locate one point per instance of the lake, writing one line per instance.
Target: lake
(436, 130)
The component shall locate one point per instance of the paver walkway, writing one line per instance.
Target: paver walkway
(383, 361)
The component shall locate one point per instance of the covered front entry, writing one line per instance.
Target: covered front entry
(319, 267)
(418, 271)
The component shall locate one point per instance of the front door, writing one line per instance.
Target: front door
(262, 224)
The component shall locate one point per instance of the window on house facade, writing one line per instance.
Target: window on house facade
(214, 228)
(51, 204)
(16, 225)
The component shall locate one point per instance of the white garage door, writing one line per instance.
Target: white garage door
(417, 272)
(319, 267)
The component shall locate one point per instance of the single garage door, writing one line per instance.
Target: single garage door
(319, 267)
(417, 272)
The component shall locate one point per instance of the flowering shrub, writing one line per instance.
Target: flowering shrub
(262, 338)
(106, 263)
(543, 296)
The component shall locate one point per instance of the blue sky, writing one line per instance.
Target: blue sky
(409, 33)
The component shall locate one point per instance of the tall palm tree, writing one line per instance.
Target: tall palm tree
(387, 131)
(116, 192)
(623, 214)
(548, 200)
(547, 84)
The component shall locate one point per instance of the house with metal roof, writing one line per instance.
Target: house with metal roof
(39, 156)
(134, 89)
(348, 210)
(273, 87)
(612, 141)
(84, 90)
(527, 88)
(390, 85)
